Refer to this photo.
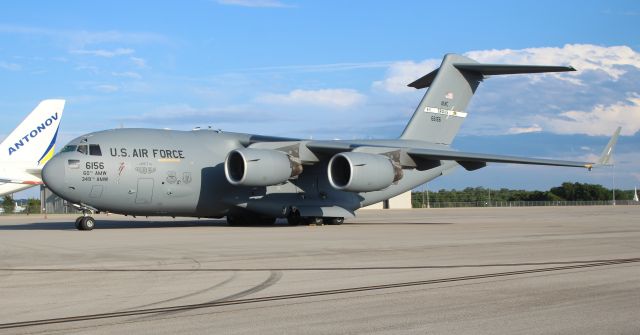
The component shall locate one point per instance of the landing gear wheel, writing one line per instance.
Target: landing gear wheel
(87, 223)
(314, 220)
(78, 220)
(294, 218)
(333, 221)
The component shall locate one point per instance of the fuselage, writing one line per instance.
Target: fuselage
(181, 173)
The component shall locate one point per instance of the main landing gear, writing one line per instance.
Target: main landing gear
(333, 221)
(294, 219)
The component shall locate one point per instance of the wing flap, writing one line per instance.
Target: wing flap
(431, 157)
(470, 160)
(330, 147)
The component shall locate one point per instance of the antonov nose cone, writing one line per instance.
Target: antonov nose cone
(53, 174)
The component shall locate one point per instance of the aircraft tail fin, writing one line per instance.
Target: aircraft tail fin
(34, 139)
(608, 150)
(442, 109)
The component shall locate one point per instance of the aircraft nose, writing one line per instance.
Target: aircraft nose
(53, 174)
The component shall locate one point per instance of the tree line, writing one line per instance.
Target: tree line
(30, 207)
(565, 192)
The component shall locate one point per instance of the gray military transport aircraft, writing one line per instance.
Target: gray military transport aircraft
(254, 179)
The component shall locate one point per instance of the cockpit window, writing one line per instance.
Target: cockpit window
(69, 148)
(82, 149)
(94, 150)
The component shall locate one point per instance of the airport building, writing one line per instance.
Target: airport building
(402, 201)
(53, 204)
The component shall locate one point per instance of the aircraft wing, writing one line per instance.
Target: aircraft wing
(10, 180)
(25, 177)
(469, 160)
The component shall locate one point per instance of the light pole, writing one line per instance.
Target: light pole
(613, 167)
(428, 203)
(43, 200)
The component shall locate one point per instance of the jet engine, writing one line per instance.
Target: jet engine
(260, 167)
(362, 172)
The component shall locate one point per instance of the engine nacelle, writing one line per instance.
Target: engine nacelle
(362, 172)
(260, 167)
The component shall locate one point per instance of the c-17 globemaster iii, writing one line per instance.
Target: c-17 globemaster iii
(254, 179)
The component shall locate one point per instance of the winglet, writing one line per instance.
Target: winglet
(608, 150)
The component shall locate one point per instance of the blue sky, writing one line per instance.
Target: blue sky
(335, 69)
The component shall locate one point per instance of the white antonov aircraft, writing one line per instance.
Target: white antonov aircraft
(25, 151)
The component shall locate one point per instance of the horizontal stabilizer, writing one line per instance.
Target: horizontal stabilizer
(496, 69)
(425, 81)
(490, 70)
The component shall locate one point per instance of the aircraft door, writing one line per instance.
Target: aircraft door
(145, 191)
(96, 191)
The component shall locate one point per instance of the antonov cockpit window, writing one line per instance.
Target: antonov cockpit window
(68, 148)
(94, 150)
(82, 149)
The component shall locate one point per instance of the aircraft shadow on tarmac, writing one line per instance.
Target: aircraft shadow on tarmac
(399, 223)
(121, 224)
(113, 224)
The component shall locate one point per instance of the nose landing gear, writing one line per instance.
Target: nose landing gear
(84, 222)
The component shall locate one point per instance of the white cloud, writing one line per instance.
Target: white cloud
(584, 57)
(255, 3)
(401, 74)
(107, 88)
(341, 98)
(127, 74)
(81, 38)
(185, 114)
(600, 120)
(139, 62)
(593, 100)
(10, 66)
(105, 53)
(334, 67)
(88, 68)
(523, 130)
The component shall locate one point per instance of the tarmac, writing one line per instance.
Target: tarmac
(534, 270)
